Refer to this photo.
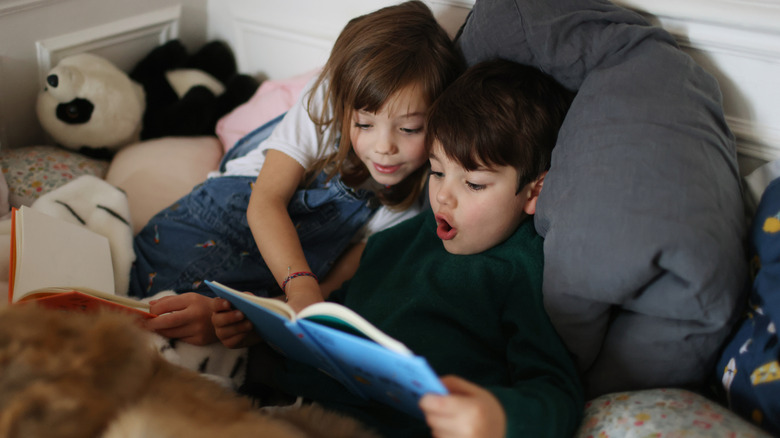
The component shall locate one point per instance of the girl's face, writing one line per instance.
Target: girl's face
(390, 142)
(475, 210)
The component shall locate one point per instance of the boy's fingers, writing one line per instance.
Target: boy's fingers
(457, 385)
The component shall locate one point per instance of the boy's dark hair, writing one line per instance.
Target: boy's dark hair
(500, 113)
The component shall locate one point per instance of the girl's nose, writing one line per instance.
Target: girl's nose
(385, 146)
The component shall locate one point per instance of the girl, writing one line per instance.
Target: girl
(346, 161)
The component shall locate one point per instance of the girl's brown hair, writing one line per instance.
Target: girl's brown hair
(375, 56)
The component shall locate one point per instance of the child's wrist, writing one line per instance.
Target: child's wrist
(298, 274)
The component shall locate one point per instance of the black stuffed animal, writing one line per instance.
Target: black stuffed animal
(187, 94)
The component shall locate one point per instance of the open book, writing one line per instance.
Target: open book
(344, 345)
(62, 265)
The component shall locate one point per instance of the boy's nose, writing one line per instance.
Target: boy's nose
(444, 195)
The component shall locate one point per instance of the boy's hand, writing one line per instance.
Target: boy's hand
(468, 411)
(186, 317)
(231, 326)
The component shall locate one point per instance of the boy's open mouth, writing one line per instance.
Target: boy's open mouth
(444, 230)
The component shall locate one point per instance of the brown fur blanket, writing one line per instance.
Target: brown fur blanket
(74, 375)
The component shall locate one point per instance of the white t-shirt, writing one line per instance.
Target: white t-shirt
(297, 136)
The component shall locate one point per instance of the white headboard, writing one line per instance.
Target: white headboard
(737, 40)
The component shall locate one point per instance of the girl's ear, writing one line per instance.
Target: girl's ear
(532, 190)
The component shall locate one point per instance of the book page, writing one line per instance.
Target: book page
(50, 252)
(344, 315)
(124, 301)
(74, 300)
(326, 312)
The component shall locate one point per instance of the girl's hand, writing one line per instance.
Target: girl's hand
(468, 411)
(231, 326)
(186, 317)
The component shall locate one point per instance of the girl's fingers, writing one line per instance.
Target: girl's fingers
(223, 319)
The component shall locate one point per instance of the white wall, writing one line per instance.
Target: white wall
(277, 39)
(737, 40)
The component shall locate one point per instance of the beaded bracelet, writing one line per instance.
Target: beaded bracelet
(298, 274)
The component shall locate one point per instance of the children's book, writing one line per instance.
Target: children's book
(342, 344)
(62, 265)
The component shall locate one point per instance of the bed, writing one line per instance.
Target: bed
(617, 244)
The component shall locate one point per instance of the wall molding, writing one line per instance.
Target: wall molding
(249, 54)
(735, 48)
(759, 15)
(755, 140)
(162, 25)
(14, 7)
(739, 42)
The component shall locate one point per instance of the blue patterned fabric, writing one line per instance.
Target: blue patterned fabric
(749, 366)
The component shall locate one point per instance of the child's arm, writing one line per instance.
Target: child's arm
(186, 317)
(468, 411)
(274, 231)
(344, 268)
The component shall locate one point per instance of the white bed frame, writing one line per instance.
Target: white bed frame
(737, 40)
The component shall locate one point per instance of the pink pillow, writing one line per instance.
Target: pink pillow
(155, 173)
(270, 100)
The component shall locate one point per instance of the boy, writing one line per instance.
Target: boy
(461, 284)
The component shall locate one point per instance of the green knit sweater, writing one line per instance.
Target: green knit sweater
(477, 316)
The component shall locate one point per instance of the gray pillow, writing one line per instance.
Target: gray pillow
(641, 211)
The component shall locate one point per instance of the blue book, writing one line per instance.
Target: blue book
(341, 343)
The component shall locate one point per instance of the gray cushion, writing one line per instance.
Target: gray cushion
(641, 210)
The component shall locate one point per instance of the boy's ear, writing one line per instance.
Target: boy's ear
(532, 190)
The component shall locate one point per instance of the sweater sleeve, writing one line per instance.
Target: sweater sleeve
(545, 396)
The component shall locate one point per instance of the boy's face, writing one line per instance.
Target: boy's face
(475, 210)
(391, 142)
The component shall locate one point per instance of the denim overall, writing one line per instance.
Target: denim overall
(205, 234)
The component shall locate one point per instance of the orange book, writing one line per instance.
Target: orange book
(62, 265)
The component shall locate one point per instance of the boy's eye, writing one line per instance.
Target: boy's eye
(435, 174)
(475, 187)
(411, 130)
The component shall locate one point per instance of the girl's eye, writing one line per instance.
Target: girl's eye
(362, 125)
(475, 187)
(411, 130)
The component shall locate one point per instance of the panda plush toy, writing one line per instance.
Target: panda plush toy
(89, 105)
